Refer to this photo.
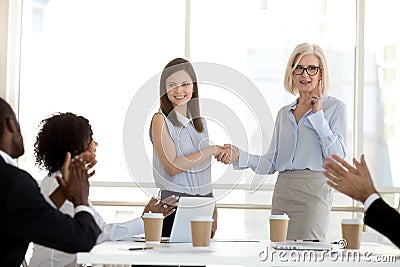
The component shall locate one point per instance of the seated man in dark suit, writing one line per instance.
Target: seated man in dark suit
(356, 182)
(25, 215)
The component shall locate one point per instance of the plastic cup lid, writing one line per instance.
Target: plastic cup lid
(279, 217)
(202, 219)
(153, 215)
(352, 221)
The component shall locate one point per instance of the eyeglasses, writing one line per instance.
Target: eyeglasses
(311, 70)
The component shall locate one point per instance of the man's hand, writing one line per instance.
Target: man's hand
(166, 206)
(355, 182)
(74, 181)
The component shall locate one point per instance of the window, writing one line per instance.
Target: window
(256, 38)
(90, 57)
(381, 110)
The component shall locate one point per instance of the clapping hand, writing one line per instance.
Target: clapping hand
(90, 160)
(87, 159)
(74, 181)
(356, 182)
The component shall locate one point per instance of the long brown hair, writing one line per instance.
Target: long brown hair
(166, 107)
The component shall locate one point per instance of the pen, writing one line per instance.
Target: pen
(307, 240)
(144, 248)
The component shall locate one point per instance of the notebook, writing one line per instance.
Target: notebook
(301, 245)
(188, 208)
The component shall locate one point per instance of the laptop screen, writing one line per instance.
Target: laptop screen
(189, 208)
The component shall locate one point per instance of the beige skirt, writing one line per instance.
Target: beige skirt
(306, 198)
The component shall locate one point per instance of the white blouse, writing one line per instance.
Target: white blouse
(195, 181)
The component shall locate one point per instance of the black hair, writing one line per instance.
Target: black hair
(59, 134)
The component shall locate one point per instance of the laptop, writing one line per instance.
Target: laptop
(188, 208)
(302, 245)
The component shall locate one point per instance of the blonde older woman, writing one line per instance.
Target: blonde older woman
(306, 132)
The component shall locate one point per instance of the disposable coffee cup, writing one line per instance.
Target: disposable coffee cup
(278, 225)
(153, 223)
(201, 231)
(351, 232)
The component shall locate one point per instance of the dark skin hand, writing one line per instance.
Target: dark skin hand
(166, 206)
(76, 186)
(89, 159)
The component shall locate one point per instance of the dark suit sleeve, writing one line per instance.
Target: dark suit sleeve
(384, 219)
(33, 219)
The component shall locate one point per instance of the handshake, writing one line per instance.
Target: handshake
(226, 154)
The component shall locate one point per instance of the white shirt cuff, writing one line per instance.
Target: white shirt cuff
(370, 200)
(83, 208)
(320, 124)
(243, 161)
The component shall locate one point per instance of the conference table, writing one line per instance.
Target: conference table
(235, 252)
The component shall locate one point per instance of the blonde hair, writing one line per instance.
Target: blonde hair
(300, 51)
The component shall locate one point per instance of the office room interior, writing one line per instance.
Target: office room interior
(94, 57)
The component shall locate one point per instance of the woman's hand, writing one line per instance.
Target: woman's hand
(228, 154)
(215, 222)
(90, 161)
(234, 152)
(223, 154)
(74, 180)
(166, 206)
(315, 97)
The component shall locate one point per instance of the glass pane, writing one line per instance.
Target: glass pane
(90, 57)
(257, 37)
(381, 109)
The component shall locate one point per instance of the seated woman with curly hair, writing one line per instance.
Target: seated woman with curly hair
(67, 132)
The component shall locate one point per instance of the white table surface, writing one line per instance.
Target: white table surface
(236, 253)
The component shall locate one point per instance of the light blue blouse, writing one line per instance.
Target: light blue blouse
(195, 181)
(305, 145)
